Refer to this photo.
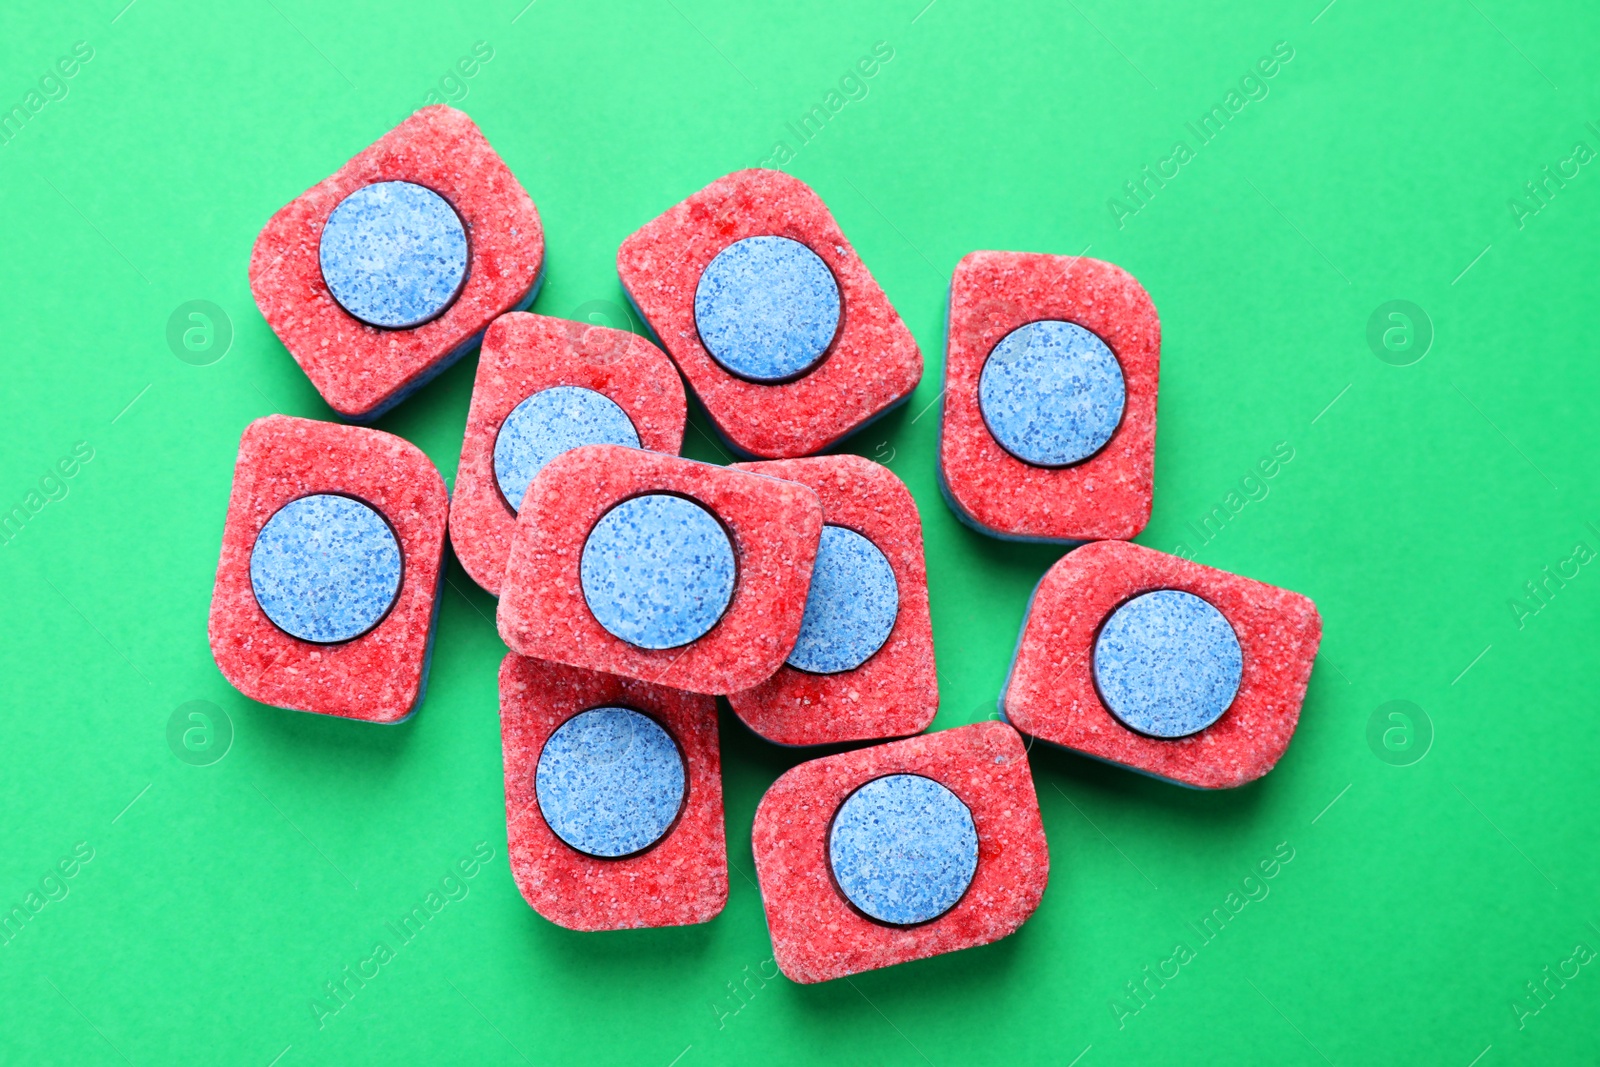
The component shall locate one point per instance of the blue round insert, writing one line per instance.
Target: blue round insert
(548, 423)
(767, 308)
(657, 571)
(394, 254)
(325, 568)
(1167, 664)
(610, 782)
(903, 849)
(1051, 393)
(851, 606)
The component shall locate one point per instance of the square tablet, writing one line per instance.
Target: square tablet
(613, 798)
(657, 568)
(332, 557)
(781, 331)
(544, 386)
(862, 668)
(900, 852)
(1048, 427)
(380, 276)
(1155, 663)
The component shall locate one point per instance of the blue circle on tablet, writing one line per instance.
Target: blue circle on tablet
(548, 423)
(767, 308)
(657, 571)
(851, 607)
(610, 782)
(903, 849)
(394, 254)
(1051, 393)
(1167, 664)
(325, 568)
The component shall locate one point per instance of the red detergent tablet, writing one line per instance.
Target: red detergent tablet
(613, 798)
(1048, 427)
(1165, 666)
(332, 557)
(545, 386)
(781, 331)
(382, 275)
(900, 852)
(657, 568)
(862, 668)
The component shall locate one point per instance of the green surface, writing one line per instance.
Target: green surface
(1418, 502)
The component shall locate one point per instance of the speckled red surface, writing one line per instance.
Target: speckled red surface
(359, 369)
(896, 692)
(523, 354)
(874, 362)
(377, 677)
(1051, 693)
(774, 526)
(817, 935)
(1106, 497)
(683, 878)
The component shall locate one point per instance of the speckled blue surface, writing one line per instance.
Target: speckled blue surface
(657, 571)
(767, 308)
(548, 423)
(851, 606)
(1167, 663)
(903, 849)
(325, 568)
(394, 254)
(1051, 393)
(610, 782)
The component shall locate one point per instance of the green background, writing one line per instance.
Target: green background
(1380, 166)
